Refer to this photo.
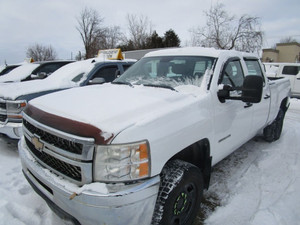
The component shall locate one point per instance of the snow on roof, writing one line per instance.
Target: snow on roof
(282, 63)
(197, 51)
(19, 73)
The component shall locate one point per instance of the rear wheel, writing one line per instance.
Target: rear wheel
(179, 195)
(273, 131)
(279, 124)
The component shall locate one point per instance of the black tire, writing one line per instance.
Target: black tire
(273, 131)
(278, 124)
(269, 132)
(180, 194)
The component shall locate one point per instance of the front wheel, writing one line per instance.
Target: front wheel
(180, 194)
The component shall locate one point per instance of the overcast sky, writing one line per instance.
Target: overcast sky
(53, 22)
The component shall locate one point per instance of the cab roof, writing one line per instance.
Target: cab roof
(199, 51)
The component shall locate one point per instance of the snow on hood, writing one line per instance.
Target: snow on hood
(11, 91)
(19, 73)
(112, 108)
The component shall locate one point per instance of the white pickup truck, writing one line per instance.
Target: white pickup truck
(139, 150)
(288, 70)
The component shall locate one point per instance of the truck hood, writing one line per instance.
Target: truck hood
(11, 91)
(105, 110)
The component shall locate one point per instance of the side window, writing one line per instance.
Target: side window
(290, 70)
(78, 77)
(232, 74)
(48, 68)
(107, 72)
(254, 68)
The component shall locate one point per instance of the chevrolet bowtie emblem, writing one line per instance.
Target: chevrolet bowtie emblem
(37, 144)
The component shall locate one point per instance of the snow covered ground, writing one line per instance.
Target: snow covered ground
(258, 184)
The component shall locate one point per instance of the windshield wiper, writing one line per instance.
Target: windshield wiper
(160, 86)
(122, 82)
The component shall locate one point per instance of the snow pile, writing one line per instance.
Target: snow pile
(257, 185)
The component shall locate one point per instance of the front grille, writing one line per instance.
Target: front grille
(58, 142)
(3, 118)
(74, 172)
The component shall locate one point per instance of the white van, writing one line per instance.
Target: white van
(289, 70)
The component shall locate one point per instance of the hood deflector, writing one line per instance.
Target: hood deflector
(67, 125)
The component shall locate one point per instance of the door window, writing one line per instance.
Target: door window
(107, 72)
(48, 68)
(232, 74)
(254, 68)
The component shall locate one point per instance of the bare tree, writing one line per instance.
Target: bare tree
(288, 40)
(112, 37)
(91, 31)
(223, 31)
(39, 52)
(140, 29)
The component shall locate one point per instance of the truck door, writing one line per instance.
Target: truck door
(261, 109)
(233, 118)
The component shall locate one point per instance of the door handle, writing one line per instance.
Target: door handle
(267, 96)
(248, 105)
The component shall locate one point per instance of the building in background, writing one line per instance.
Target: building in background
(284, 52)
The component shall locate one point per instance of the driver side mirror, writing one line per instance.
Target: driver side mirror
(40, 75)
(97, 80)
(251, 90)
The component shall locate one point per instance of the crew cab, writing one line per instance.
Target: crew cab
(139, 150)
(288, 70)
(35, 70)
(76, 74)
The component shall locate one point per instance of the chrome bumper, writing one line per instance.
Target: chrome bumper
(12, 130)
(131, 205)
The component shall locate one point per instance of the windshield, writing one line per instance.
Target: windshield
(71, 73)
(19, 73)
(167, 71)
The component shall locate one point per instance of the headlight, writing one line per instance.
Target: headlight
(122, 162)
(14, 108)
